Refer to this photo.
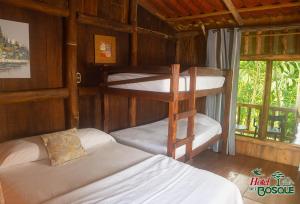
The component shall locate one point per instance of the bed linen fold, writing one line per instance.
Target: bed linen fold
(158, 179)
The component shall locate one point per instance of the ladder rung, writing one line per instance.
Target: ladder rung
(180, 142)
(186, 114)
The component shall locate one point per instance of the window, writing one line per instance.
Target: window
(268, 97)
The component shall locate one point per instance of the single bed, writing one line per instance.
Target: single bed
(114, 173)
(202, 82)
(153, 137)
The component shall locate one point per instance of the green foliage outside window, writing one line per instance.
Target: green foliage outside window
(285, 79)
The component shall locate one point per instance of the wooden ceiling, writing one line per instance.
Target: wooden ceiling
(198, 14)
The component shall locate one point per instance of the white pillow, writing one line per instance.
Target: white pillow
(22, 151)
(91, 137)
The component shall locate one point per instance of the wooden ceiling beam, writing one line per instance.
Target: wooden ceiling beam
(234, 12)
(164, 8)
(145, 4)
(38, 6)
(242, 10)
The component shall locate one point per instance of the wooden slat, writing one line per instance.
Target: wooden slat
(234, 12)
(134, 35)
(71, 66)
(154, 33)
(186, 114)
(137, 80)
(149, 7)
(241, 10)
(88, 91)
(158, 96)
(210, 71)
(98, 122)
(270, 28)
(132, 111)
(173, 109)
(204, 146)
(180, 142)
(38, 6)
(104, 23)
(106, 118)
(263, 123)
(186, 34)
(293, 57)
(201, 93)
(135, 69)
(191, 106)
(32, 96)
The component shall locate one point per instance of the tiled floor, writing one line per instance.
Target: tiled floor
(238, 170)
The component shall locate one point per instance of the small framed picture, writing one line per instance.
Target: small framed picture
(105, 49)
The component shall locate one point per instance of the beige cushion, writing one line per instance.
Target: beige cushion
(22, 151)
(63, 146)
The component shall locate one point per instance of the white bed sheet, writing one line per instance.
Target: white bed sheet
(37, 182)
(153, 137)
(157, 180)
(203, 82)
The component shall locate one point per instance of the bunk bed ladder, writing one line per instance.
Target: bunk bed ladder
(174, 143)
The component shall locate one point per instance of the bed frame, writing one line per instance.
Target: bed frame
(172, 98)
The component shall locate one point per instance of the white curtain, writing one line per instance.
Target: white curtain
(223, 51)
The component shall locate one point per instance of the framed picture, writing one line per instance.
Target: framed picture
(14, 49)
(105, 49)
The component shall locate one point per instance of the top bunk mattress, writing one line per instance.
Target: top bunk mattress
(202, 82)
(153, 137)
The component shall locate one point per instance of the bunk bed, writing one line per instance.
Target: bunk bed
(169, 85)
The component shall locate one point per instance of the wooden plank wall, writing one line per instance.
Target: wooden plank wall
(46, 40)
(191, 51)
(268, 150)
(281, 44)
(48, 61)
(152, 50)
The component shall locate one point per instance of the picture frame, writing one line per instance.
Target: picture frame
(105, 49)
(14, 49)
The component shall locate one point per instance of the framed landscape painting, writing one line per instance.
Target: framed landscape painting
(105, 49)
(14, 49)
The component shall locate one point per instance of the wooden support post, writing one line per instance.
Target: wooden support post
(263, 123)
(134, 57)
(71, 65)
(106, 113)
(98, 111)
(134, 34)
(225, 125)
(246, 44)
(259, 41)
(173, 109)
(191, 106)
(132, 111)
(177, 54)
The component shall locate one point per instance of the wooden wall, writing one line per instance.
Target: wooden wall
(46, 39)
(191, 51)
(268, 150)
(280, 44)
(152, 50)
(48, 61)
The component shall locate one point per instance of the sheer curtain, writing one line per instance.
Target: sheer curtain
(223, 51)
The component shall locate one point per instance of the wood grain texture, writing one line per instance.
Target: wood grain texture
(46, 40)
(269, 150)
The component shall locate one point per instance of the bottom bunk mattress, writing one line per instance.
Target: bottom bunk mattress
(153, 137)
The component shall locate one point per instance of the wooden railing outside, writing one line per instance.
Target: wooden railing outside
(248, 126)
